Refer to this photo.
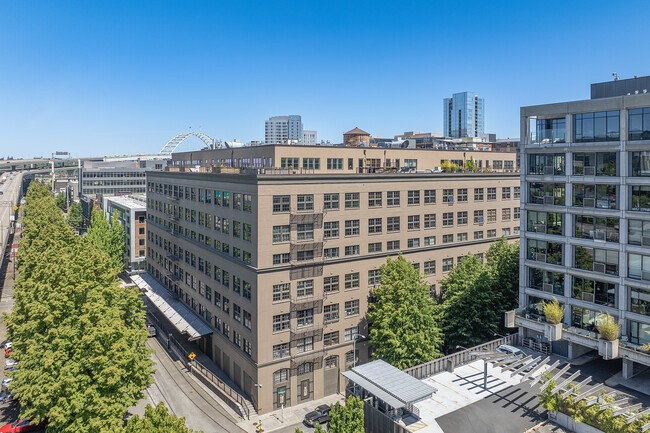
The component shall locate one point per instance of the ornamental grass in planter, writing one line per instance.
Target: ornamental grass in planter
(553, 311)
(608, 327)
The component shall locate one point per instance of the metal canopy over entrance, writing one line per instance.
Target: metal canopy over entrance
(175, 311)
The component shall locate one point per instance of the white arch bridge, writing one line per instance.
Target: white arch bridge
(176, 141)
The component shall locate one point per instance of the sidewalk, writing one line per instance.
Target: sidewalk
(273, 421)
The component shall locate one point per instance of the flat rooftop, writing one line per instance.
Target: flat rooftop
(137, 203)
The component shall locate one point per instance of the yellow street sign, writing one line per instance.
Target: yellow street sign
(15, 207)
(191, 355)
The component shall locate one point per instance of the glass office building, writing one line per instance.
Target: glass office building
(463, 115)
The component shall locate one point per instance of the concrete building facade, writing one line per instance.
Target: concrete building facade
(283, 130)
(309, 138)
(132, 214)
(463, 115)
(280, 263)
(585, 192)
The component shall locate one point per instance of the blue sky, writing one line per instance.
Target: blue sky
(97, 78)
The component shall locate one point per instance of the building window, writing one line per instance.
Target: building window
(392, 198)
(429, 240)
(413, 222)
(491, 215)
(594, 164)
(236, 312)
(335, 163)
(374, 225)
(461, 195)
(305, 202)
(331, 362)
(641, 198)
(352, 200)
(478, 194)
(589, 227)
(331, 284)
(639, 123)
(352, 250)
(302, 256)
(430, 267)
(492, 193)
(351, 334)
(305, 288)
(351, 308)
(545, 222)
(505, 193)
(478, 234)
(600, 126)
(305, 344)
(281, 322)
(413, 197)
(638, 232)
(331, 253)
(478, 217)
(331, 201)
(289, 163)
(640, 301)
(352, 281)
(461, 218)
(374, 277)
(446, 239)
(546, 164)
(281, 203)
(281, 234)
(413, 243)
(552, 282)
(331, 313)
(352, 228)
(392, 224)
(429, 221)
(461, 237)
(311, 163)
(505, 231)
(279, 259)
(492, 233)
(598, 196)
(447, 195)
(305, 317)
(516, 192)
(546, 252)
(374, 247)
(549, 131)
(392, 245)
(596, 260)
(281, 376)
(331, 338)
(638, 266)
(597, 292)
(447, 219)
(305, 232)
(505, 214)
(429, 196)
(331, 230)
(374, 199)
(447, 264)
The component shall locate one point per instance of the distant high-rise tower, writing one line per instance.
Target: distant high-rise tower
(283, 130)
(463, 115)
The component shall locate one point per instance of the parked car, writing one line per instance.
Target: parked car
(151, 329)
(22, 425)
(7, 352)
(6, 344)
(11, 363)
(320, 415)
(6, 380)
(6, 396)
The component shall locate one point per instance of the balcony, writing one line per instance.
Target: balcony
(548, 136)
(525, 318)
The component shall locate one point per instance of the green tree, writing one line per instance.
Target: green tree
(348, 418)
(79, 336)
(107, 238)
(60, 201)
(503, 263)
(75, 215)
(404, 318)
(469, 307)
(156, 420)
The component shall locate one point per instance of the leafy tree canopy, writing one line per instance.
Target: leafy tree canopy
(348, 418)
(75, 215)
(156, 420)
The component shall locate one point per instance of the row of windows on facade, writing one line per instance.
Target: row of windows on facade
(215, 245)
(98, 183)
(588, 164)
(282, 375)
(589, 290)
(592, 127)
(222, 326)
(584, 318)
(104, 174)
(107, 190)
(352, 200)
(601, 196)
(240, 201)
(598, 260)
(311, 163)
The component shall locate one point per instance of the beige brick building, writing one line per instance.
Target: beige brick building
(281, 262)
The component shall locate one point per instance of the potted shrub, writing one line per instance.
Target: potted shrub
(554, 313)
(609, 330)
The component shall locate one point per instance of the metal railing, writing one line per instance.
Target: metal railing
(447, 363)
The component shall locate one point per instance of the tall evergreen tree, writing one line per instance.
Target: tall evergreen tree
(405, 329)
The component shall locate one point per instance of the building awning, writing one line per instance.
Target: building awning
(183, 319)
(389, 384)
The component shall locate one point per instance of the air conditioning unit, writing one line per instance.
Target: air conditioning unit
(548, 287)
(599, 267)
(589, 202)
(645, 241)
(540, 228)
(590, 171)
(549, 170)
(589, 297)
(549, 199)
(540, 257)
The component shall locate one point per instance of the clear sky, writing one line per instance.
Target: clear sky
(117, 77)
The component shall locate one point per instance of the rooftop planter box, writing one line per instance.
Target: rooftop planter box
(608, 349)
(553, 331)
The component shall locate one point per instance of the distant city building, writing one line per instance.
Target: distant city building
(356, 137)
(283, 130)
(463, 115)
(309, 138)
(132, 214)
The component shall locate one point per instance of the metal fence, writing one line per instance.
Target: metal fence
(449, 362)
